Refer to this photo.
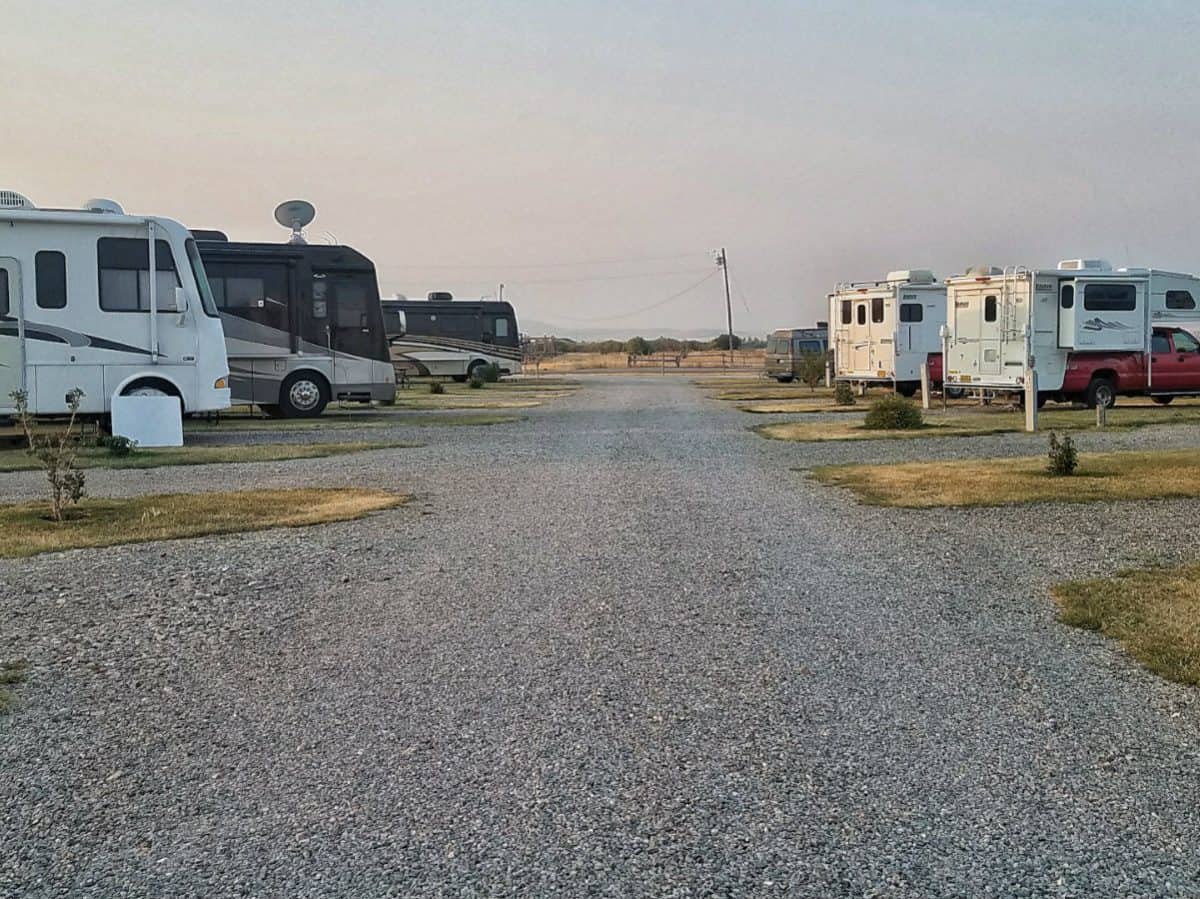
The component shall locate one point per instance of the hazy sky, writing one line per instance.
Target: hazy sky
(462, 144)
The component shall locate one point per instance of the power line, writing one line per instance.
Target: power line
(671, 298)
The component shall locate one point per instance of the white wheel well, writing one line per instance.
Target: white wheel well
(166, 385)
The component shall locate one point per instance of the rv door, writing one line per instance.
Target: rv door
(1066, 314)
(12, 350)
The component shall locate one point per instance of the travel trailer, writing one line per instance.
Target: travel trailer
(303, 324)
(445, 337)
(87, 304)
(788, 347)
(884, 331)
(1089, 332)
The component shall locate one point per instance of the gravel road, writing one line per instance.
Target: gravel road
(618, 649)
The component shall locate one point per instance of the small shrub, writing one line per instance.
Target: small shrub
(893, 413)
(843, 394)
(812, 369)
(490, 374)
(1064, 458)
(55, 452)
(437, 387)
(475, 382)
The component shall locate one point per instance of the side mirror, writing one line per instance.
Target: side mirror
(181, 300)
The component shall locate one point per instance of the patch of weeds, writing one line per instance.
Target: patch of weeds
(893, 413)
(1063, 457)
(843, 394)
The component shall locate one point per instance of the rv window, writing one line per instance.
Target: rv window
(862, 313)
(912, 312)
(1109, 297)
(1159, 343)
(50, 275)
(206, 297)
(989, 309)
(846, 312)
(1180, 299)
(877, 310)
(124, 264)
(808, 346)
(502, 327)
(1185, 342)
(3, 293)
(1066, 296)
(255, 291)
(356, 326)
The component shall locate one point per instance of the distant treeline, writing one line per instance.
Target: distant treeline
(641, 346)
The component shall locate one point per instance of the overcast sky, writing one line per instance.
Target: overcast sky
(590, 155)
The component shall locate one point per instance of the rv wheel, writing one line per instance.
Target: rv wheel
(476, 369)
(1163, 400)
(785, 379)
(303, 395)
(1101, 392)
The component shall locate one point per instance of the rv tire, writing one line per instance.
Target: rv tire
(785, 379)
(1162, 400)
(475, 370)
(152, 387)
(303, 394)
(1101, 392)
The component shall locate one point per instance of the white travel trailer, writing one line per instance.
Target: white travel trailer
(1088, 331)
(85, 304)
(884, 331)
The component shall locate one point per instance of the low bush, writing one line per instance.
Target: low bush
(437, 387)
(490, 374)
(475, 382)
(843, 394)
(1064, 458)
(893, 413)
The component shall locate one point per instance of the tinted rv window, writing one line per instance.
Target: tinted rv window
(862, 313)
(1180, 299)
(912, 312)
(989, 309)
(124, 264)
(255, 291)
(807, 346)
(3, 292)
(1066, 296)
(846, 312)
(50, 271)
(1109, 298)
(877, 310)
(352, 304)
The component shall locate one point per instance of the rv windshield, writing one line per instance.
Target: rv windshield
(206, 295)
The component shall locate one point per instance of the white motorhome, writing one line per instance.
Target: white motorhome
(85, 304)
(884, 331)
(1088, 331)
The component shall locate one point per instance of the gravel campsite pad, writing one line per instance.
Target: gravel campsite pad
(618, 648)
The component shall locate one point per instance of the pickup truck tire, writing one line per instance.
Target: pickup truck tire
(1101, 392)
(1162, 400)
(785, 379)
(907, 389)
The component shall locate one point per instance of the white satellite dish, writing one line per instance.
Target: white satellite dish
(295, 214)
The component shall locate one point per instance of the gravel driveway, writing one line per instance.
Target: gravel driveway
(618, 649)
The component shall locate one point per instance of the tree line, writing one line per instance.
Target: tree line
(641, 346)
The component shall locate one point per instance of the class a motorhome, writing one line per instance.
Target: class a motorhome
(445, 337)
(107, 303)
(1090, 332)
(303, 324)
(884, 331)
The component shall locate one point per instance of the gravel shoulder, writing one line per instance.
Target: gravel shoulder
(618, 649)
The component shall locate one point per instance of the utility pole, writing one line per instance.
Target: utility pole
(720, 255)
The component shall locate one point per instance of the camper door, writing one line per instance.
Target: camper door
(1109, 315)
(12, 361)
(1066, 314)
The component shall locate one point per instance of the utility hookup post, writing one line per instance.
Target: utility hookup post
(1031, 400)
(721, 261)
(925, 397)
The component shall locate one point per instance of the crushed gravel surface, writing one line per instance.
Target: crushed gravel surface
(618, 649)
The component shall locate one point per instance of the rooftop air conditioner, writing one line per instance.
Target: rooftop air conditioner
(1076, 265)
(912, 276)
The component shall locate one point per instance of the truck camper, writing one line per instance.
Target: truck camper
(1087, 331)
(106, 303)
(884, 331)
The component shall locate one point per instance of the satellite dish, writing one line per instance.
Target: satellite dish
(295, 214)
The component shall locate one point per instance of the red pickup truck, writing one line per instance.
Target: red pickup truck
(1099, 378)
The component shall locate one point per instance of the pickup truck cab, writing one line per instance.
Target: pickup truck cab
(1099, 378)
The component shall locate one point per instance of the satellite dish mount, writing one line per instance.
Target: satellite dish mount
(297, 215)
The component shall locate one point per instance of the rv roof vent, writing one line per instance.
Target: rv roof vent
(912, 276)
(1076, 265)
(975, 271)
(10, 199)
(1134, 271)
(102, 205)
(440, 296)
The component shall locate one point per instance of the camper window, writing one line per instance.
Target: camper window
(877, 310)
(847, 316)
(1110, 298)
(502, 327)
(911, 312)
(1185, 342)
(124, 264)
(862, 313)
(198, 272)
(3, 293)
(1180, 299)
(1066, 296)
(989, 309)
(253, 291)
(50, 274)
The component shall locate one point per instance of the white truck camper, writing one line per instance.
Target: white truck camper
(1089, 332)
(884, 331)
(85, 304)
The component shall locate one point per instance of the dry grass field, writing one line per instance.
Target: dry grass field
(1154, 614)
(20, 460)
(1000, 482)
(706, 359)
(25, 529)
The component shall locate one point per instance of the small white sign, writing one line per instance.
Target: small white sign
(149, 421)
